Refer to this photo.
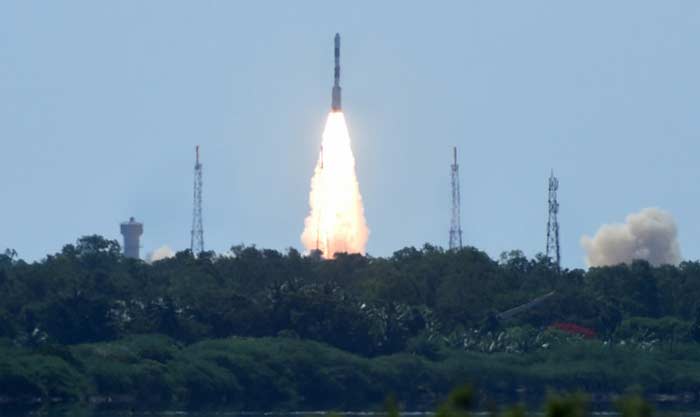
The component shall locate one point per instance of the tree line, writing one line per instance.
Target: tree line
(89, 292)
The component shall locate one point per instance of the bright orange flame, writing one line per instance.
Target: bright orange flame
(336, 222)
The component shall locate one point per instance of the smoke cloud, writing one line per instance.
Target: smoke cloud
(649, 235)
(336, 221)
(161, 253)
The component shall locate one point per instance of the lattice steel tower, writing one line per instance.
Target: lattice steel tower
(455, 222)
(197, 238)
(553, 223)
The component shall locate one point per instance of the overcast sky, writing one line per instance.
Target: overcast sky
(102, 103)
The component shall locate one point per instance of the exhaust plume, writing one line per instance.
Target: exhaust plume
(161, 253)
(650, 235)
(336, 222)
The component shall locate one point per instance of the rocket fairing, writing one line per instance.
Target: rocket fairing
(335, 101)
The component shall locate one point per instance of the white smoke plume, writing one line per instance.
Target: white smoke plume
(649, 235)
(336, 221)
(161, 253)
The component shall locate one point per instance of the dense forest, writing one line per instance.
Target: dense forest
(260, 329)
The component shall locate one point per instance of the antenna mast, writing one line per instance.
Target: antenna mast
(455, 223)
(197, 237)
(553, 252)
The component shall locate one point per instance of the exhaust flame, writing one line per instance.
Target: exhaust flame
(336, 222)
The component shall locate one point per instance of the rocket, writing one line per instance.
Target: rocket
(335, 101)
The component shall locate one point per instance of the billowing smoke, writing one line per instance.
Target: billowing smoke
(161, 253)
(650, 235)
(336, 222)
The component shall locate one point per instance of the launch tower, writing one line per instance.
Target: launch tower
(455, 222)
(197, 234)
(553, 223)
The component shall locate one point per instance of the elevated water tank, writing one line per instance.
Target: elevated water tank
(132, 231)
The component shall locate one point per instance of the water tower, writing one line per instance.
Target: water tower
(132, 231)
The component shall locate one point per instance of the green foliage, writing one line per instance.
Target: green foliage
(371, 306)
(515, 411)
(433, 348)
(571, 405)
(666, 329)
(293, 374)
(27, 375)
(634, 406)
(458, 403)
(262, 326)
(391, 406)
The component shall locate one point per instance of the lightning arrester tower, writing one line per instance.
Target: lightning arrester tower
(455, 222)
(553, 223)
(197, 238)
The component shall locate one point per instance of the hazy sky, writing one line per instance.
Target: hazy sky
(102, 103)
